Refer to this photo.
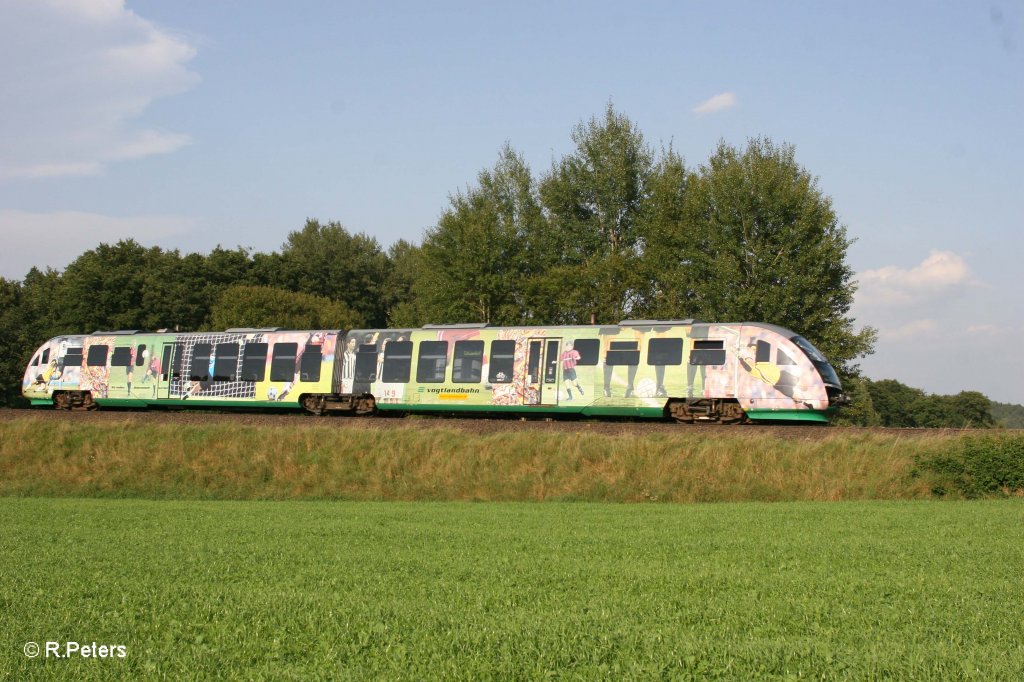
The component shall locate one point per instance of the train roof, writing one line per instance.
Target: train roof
(689, 322)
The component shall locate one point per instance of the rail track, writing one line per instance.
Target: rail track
(476, 425)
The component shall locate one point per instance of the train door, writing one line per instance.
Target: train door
(542, 371)
(169, 370)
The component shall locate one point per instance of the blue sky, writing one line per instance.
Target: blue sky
(186, 124)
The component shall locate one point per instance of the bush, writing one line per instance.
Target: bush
(981, 467)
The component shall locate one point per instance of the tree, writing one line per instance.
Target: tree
(974, 410)
(595, 199)
(104, 287)
(861, 410)
(901, 406)
(255, 306)
(406, 266)
(895, 402)
(327, 260)
(758, 240)
(30, 313)
(14, 347)
(475, 263)
(967, 409)
(1008, 415)
(668, 238)
(42, 306)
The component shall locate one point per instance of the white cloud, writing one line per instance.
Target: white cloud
(936, 275)
(939, 328)
(909, 330)
(721, 102)
(55, 239)
(77, 74)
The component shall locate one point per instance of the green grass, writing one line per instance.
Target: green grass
(370, 590)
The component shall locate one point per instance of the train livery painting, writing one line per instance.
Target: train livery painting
(684, 370)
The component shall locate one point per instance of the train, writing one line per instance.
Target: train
(682, 370)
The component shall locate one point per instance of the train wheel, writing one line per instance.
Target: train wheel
(705, 411)
(317, 404)
(732, 413)
(62, 401)
(366, 405)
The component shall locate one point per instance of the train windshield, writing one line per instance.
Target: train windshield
(828, 374)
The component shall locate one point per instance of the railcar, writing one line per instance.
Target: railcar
(685, 370)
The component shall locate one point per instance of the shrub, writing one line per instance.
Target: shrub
(980, 467)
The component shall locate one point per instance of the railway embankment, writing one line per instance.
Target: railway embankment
(252, 457)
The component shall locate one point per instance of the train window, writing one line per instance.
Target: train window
(366, 363)
(432, 361)
(551, 359)
(397, 362)
(282, 365)
(589, 350)
(225, 367)
(707, 352)
(179, 360)
(764, 352)
(668, 351)
(46, 357)
(502, 362)
(782, 359)
(254, 362)
(73, 357)
(468, 362)
(199, 369)
(309, 365)
(140, 355)
(533, 361)
(122, 357)
(166, 365)
(623, 353)
(97, 356)
(35, 362)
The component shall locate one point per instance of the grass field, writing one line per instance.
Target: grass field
(132, 458)
(371, 590)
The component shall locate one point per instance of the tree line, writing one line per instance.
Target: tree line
(613, 230)
(889, 403)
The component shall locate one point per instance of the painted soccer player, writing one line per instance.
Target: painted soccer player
(570, 357)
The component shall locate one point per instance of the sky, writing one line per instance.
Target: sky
(192, 123)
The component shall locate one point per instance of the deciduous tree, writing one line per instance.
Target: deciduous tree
(327, 260)
(256, 306)
(474, 265)
(758, 240)
(595, 200)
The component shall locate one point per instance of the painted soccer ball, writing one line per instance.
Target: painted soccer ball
(646, 388)
(271, 393)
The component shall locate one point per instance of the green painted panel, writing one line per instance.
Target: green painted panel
(487, 408)
(127, 402)
(818, 416)
(624, 411)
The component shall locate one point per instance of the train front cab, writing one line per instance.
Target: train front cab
(54, 373)
(782, 377)
(35, 384)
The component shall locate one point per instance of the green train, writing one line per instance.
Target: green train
(685, 370)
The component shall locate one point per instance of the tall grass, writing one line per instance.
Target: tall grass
(226, 461)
